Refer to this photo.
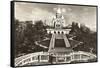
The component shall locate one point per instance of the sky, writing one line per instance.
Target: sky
(36, 11)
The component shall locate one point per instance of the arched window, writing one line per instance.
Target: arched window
(62, 32)
(54, 32)
(58, 32)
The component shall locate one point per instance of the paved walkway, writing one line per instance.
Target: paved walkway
(52, 41)
(36, 42)
(66, 41)
(58, 36)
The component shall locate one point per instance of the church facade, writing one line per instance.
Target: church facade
(58, 22)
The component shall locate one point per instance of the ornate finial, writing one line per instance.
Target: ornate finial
(58, 10)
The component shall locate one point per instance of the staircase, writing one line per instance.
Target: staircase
(58, 36)
(58, 40)
(66, 41)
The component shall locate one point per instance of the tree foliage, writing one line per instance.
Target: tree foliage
(26, 33)
(84, 35)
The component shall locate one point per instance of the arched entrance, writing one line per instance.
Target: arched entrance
(62, 32)
(58, 32)
(54, 32)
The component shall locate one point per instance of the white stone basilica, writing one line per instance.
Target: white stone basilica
(58, 22)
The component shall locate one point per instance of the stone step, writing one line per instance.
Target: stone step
(59, 36)
(66, 41)
(54, 42)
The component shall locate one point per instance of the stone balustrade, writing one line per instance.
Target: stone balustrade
(40, 57)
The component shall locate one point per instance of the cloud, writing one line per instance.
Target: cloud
(33, 11)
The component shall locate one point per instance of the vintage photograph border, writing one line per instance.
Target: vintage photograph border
(12, 40)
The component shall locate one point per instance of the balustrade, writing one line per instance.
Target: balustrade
(44, 57)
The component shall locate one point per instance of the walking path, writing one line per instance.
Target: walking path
(36, 42)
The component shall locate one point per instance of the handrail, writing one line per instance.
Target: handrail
(21, 60)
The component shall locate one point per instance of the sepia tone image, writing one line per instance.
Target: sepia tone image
(48, 33)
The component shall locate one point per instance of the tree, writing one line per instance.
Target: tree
(84, 34)
(84, 29)
(40, 30)
(26, 35)
(19, 36)
(75, 28)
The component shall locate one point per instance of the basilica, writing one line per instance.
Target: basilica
(58, 23)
